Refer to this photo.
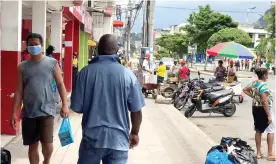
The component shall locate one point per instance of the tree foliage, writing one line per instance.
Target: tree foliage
(175, 44)
(266, 46)
(270, 18)
(204, 24)
(162, 53)
(230, 34)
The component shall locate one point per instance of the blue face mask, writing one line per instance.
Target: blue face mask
(34, 50)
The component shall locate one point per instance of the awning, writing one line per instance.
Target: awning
(91, 43)
(117, 23)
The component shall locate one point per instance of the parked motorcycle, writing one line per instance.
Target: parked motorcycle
(221, 102)
(181, 96)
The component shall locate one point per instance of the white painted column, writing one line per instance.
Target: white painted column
(39, 19)
(10, 29)
(56, 31)
(11, 25)
(107, 27)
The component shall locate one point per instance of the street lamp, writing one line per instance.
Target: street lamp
(247, 11)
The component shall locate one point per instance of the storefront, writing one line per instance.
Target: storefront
(78, 31)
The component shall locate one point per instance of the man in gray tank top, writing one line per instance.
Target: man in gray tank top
(35, 88)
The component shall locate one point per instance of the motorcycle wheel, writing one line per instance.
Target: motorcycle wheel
(228, 112)
(175, 104)
(190, 111)
(169, 92)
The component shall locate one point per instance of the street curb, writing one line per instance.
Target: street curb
(197, 129)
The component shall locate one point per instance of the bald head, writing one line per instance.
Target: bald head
(108, 45)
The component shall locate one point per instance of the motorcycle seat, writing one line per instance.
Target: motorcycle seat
(205, 85)
(213, 96)
(213, 89)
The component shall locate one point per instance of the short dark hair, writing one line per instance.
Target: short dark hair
(108, 45)
(260, 72)
(50, 50)
(220, 62)
(34, 36)
(161, 63)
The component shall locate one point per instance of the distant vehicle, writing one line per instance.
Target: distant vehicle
(168, 62)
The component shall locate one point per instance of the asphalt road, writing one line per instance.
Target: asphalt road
(239, 125)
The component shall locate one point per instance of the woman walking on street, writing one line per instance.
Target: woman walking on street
(262, 111)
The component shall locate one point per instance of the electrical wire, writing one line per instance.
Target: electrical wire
(225, 11)
(139, 7)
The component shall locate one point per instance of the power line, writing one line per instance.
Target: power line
(196, 9)
(140, 5)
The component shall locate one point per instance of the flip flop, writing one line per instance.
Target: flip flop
(271, 158)
(260, 156)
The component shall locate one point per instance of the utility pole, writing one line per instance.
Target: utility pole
(148, 23)
(127, 34)
(129, 29)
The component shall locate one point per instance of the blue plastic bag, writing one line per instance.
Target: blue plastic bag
(65, 132)
(217, 157)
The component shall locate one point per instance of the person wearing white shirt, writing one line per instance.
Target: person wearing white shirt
(134, 63)
(146, 66)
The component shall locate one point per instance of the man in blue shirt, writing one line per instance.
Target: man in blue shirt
(105, 92)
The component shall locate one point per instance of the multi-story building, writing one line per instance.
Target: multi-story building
(255, 33)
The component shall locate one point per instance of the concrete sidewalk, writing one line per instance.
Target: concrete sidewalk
(166, 137)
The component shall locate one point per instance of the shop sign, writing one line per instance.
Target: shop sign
(77, 12)
(83, 16)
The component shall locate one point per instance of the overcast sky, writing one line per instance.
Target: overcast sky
(167, 12)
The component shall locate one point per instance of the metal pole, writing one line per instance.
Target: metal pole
(151, 21)
(126, 31)
(129, 29)
(145, 4)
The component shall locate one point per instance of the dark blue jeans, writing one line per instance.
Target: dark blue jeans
(91, 155)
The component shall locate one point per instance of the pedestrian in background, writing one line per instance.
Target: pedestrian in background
(220, 72)
(49, 53)
(231, 72)
(74, 67)
(134, 64)
(262, 110)
(161, 72)
(34, 86)
(105, 92)
(242, 64)
(246, 64)
(174, 68)
(50, 50)
(184, 72)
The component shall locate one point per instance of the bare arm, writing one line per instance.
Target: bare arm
(264, 98)
(144, 68)
(17, 101)
(136, 120)
(248, 91)
(60, 86)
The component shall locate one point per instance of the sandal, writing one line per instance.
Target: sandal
(271, 158)
(260, 156)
